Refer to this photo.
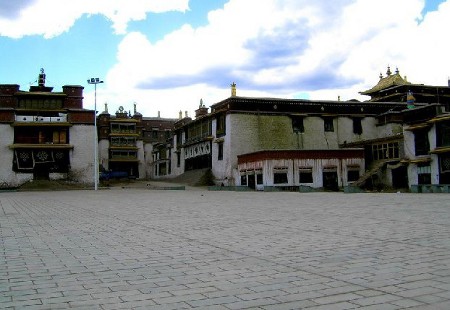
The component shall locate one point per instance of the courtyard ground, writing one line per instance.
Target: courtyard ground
(144, 248)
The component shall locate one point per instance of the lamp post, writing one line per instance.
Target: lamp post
(95, 81)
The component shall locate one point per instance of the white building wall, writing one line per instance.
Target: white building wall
(252, 132)
(408, 144)
(141, 158)
(82, 155)
(148, 160)
(434, 165)
(314, 136)
(409, 148)
(221, 168)
(293, 165)
(388, 130)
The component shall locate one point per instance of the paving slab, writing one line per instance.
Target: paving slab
(135, 248)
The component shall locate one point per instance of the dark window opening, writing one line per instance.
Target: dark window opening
(280, 176)
(220, 151)
(305, 175)
(328, 124)
(443, 134)
(352, 174)
(357, 126)
(297, 124)
(421, 142)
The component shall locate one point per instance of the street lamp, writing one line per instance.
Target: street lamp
(95, 81)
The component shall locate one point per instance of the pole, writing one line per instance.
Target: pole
(95, 140)
(95, 81)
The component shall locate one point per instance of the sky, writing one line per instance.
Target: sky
(167, 55)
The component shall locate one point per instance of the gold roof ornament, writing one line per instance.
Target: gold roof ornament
(388, 81)
(233, 89)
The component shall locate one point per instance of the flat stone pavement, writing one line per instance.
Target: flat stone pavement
(129, 248)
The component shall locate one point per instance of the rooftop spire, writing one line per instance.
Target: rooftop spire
(233, 89)
(41, 79)
(388, 72)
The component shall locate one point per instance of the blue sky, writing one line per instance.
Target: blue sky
(165, 55)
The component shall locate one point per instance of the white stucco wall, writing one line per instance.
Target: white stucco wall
(409, 148)
(148, 160)
(387, 130)
(141, 158)
(246, 133)
(82, 155)
(293, 166)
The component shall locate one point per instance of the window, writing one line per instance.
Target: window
(198, 130)
(297, 124)
(328, 124)
(259, 177)
(178, 159)
(280, 175)
(220, 125)
(123, 154)
(123, 141)
(305, 175)
(423, 174)
(220, 151)
(421, 142)
(445, 162)
(244, 180)
(179, 138)
(352, 173)
(385, 151)
(443, 134)
(40, 136)
(357, 126)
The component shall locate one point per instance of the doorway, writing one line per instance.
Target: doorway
(400, 177)
(251, 181)
(330, 180)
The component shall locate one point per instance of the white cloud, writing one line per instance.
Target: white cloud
(276, 48)
(52, 17)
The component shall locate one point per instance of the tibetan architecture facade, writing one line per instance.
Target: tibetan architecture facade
(264, 142)
(45, 134)
(427, 147)
(292, 143)
(133, 146)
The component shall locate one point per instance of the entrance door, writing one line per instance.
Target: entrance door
(41, 172)
(400, 177)
(330, 180)
(251, 181)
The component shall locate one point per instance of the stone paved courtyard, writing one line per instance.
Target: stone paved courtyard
(160, 249)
